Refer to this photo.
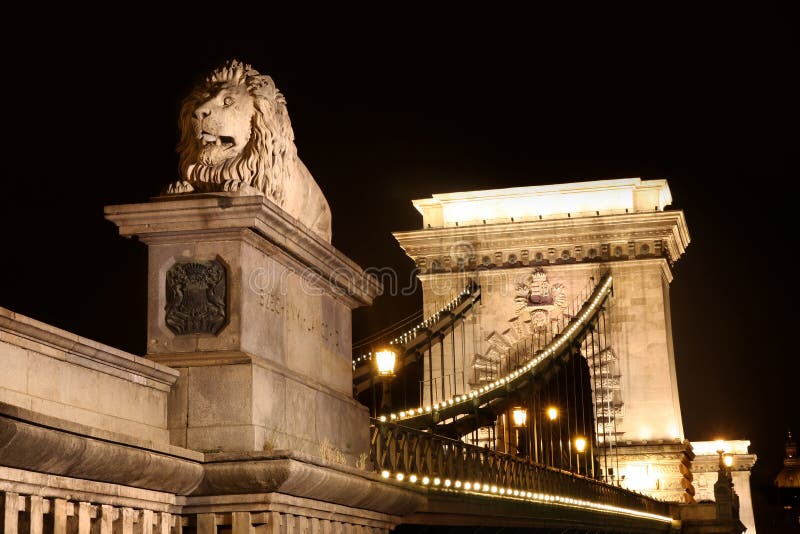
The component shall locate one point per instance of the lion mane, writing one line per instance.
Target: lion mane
(268, 163)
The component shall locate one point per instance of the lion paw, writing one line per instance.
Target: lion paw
(238, 186)
(176, 188)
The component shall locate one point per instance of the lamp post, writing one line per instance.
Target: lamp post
(724, 494)
(725, 461)
(580, 446)
(385, 360)
(552, 415)
(519, 416)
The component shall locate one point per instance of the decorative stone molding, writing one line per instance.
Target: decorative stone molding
(301, 475)
(212, 215)
(29, 446)
(605, 238)
(659, 469)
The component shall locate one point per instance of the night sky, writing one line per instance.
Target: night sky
(400, 111)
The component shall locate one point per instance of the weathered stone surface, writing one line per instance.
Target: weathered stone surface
(263, 407)
(278, 374)
(31, 447)
(57, 373)
(294, 514)
(66, 488)
(660, 469)
(304, 476)
(236, 136)
(704, 519)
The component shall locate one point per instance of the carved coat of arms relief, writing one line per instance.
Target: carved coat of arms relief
(538, 304)
(538, 301)
(196, 297)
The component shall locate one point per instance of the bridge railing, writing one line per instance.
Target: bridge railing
(450, 464)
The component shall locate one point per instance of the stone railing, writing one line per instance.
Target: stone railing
(23, 514)
(425, 459)
(38, 515)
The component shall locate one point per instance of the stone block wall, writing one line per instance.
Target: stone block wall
(56, 373)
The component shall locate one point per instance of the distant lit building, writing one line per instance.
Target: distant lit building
(788, 482)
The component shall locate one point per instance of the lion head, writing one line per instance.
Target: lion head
(235, 132)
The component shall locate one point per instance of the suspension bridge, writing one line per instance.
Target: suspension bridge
(437, 442)
(536, 390)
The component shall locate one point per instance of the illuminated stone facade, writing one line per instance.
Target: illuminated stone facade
(548, 241)
(706, 465)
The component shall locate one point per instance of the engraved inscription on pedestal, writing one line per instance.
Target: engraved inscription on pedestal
(196, 293)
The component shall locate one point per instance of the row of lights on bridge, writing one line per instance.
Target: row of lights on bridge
(515, 493)
(412, 333)
(386, 361)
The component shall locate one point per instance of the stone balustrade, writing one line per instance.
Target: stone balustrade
(42, 515)
(37, 515)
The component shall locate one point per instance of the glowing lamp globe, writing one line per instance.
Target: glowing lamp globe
(385, 360)
(519, 416)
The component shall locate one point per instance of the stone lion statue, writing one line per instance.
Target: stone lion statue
(236, 137)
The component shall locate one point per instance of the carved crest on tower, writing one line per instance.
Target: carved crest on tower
(538, 300)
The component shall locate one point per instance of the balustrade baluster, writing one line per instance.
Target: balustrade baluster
(59, 516)
(11, 511)
(147, 522)
(165, 523)
(107, 516)
(36, 511)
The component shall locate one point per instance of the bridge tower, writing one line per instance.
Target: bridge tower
(532, 249)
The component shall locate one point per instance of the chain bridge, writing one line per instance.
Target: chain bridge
(536, 391)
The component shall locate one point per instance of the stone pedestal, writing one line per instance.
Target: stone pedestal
(705, 467)
(254, 310)
(659, 469)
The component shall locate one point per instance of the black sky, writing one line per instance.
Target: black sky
(387, 112)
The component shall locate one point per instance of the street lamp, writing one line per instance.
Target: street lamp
(385, 360)
(520, 417)
(725, 460)
(580, 446)
(724, 478)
